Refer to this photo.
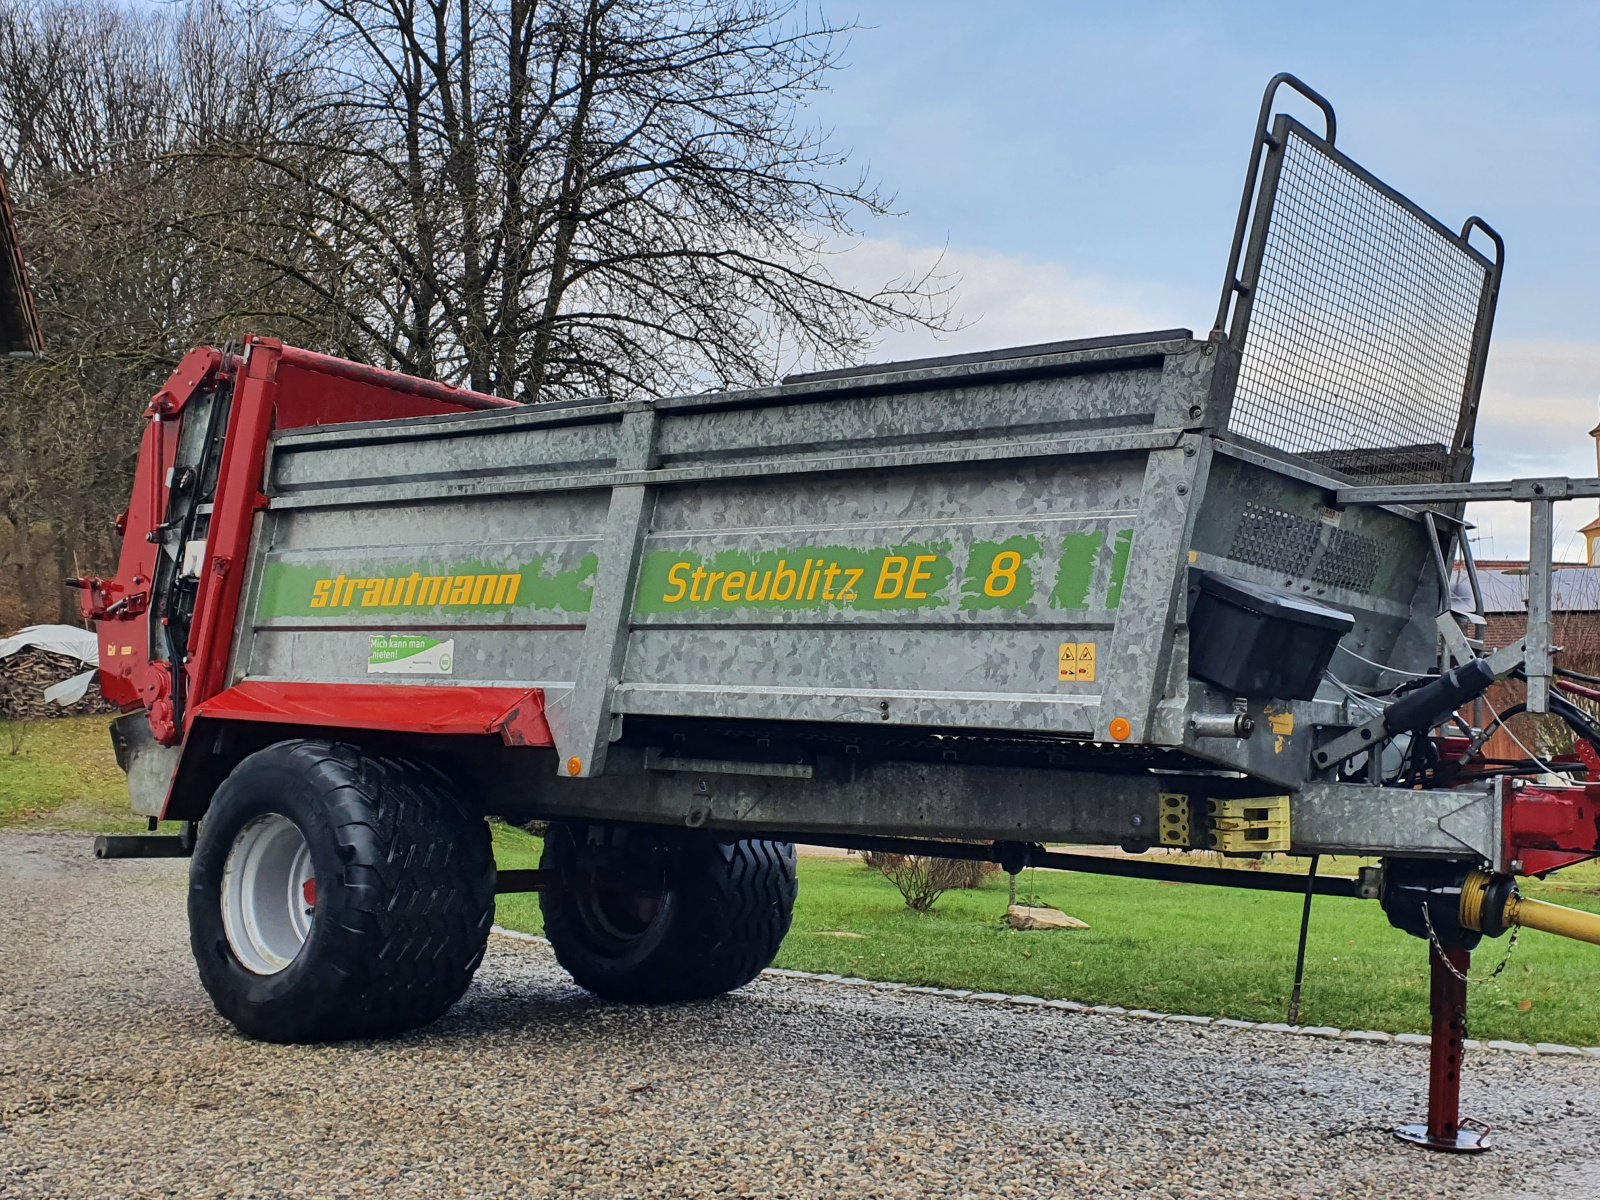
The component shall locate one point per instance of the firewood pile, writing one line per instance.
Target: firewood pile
(24, 677)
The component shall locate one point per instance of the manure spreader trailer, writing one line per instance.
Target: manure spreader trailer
(1152, 590)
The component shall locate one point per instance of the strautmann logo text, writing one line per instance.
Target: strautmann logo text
(416, 590)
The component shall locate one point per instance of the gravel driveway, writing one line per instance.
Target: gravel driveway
(117, 1079)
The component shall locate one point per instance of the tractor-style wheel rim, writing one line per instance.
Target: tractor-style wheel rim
(619, 896)
(269, 894)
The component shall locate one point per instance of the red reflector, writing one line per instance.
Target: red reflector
(310, 892)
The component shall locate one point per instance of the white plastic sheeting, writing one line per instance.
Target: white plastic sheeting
(67, 640)
(80, 644)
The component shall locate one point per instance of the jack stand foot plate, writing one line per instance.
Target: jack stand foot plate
(1471, 1138)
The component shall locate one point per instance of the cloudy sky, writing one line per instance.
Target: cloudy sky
(1079, 166)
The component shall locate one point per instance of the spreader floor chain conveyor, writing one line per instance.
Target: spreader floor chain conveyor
(1148, 591)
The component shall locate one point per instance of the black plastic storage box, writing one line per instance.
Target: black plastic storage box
(1253, 641)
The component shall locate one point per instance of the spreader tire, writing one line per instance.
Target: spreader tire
(641, 917)
(337, 895)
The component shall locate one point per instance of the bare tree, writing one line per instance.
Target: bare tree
(539, 198)
(553, 197)
(99, 109)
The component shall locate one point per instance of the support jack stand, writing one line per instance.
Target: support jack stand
(1446, 1129)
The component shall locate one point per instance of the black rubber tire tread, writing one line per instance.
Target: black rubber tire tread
(729, 906)
(405, 894)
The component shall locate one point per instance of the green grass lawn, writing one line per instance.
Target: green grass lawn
(1169, 947)
(64, 776)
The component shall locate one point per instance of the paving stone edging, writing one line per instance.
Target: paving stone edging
(1144, 1014)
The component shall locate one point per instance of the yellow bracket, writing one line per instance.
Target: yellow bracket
(1174, 819)
(1253, 826)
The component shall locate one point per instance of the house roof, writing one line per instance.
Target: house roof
(19, 319)
(1572, 589)
(1518, 565)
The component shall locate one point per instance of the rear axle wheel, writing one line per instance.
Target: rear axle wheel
(643, 916)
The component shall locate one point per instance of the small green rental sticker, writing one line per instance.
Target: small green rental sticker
(410, 654)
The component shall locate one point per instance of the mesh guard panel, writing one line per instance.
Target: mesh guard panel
(1363, 324)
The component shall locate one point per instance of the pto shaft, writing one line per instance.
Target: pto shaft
(1553, 918)
(1490, 903)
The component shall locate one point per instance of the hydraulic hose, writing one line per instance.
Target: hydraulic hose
(1491, 904)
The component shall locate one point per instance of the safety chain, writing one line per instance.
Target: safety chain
(1516, 931)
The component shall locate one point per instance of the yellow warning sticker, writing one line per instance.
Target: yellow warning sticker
(1282, 726)
(1077, 662)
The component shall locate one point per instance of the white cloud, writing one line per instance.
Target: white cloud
(1540, 396)
(1005, 300)
(1539, 403)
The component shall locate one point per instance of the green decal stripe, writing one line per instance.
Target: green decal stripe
(1119, 567)
(1000, 574)
(298, 590)
(1079, 554)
